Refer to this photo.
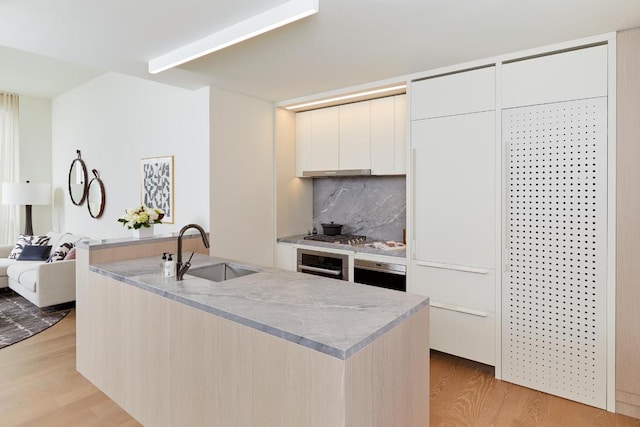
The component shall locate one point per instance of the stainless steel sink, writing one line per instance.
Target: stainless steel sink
(220, 272)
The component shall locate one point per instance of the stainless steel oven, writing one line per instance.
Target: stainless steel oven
(381, 274)
(324, 264)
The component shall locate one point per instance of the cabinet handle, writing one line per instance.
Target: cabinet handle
(319, 270)
(459, 309)
(414, 220)
(454, 267)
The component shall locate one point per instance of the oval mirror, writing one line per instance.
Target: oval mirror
(78, 181)
(95, 197)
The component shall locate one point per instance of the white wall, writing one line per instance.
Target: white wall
(242, 177)
(35, 154)
(115, 121)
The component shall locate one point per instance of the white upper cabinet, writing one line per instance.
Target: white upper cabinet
(303, 142)
(325, 137)
(361, 135)
(564, 76)
(355, 136)
(400, 102)
(388, 135)
(459, 93)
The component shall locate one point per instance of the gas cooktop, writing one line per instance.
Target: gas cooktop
(343, 239)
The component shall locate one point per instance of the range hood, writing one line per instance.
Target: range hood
(339, 172)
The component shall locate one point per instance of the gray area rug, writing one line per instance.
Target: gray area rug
(19, 319)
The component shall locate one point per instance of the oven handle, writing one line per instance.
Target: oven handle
(380, 267)
(320, 270)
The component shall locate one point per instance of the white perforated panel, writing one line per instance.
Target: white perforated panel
(554, 292)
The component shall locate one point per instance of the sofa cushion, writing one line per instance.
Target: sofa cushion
(71, 255)
(54, 237)
(24, 272)
(61, 251)
(34, 253)
(64, 243)
(26, 241)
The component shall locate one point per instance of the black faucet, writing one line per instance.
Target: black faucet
(180, 269)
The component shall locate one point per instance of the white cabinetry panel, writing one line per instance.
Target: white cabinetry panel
(465, 335)
(303, 142)
(455, 189)
(383, 134)
(460, 93)
(400, 118)
(554, 326)
(563, 76)
(388, 135)
(361, 135)
(474, 290)
(286, 257)
(325, 125)
(355, 136)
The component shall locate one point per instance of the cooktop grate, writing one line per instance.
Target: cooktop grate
(343, 239)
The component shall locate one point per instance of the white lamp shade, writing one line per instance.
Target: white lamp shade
(23, 193)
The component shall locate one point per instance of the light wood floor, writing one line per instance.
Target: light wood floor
(39, 386)
(465, 393)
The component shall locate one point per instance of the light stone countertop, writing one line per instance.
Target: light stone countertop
(300, 240)
(331, 316)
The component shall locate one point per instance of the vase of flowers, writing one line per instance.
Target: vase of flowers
(141, 220)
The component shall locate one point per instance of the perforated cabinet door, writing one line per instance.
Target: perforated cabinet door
(554, 335)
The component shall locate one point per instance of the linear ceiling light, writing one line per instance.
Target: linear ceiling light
(344, 97)
(268, 20)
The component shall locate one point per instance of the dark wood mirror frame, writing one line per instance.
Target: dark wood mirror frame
(78, 162)
(95, 182)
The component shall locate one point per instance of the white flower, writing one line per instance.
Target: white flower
(142, 216)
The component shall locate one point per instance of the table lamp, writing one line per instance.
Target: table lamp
(26, 194)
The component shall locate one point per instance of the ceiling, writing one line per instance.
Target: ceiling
(48, 47)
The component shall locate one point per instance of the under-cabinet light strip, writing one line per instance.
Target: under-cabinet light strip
(344, 97)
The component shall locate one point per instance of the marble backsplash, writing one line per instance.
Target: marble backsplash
(372, 206)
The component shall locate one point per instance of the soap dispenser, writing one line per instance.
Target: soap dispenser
(163, 263)
(170, 267)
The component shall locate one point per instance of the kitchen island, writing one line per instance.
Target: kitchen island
(270, 348)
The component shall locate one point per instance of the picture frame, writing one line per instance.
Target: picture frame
(156, 185)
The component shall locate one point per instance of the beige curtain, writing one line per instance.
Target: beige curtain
(9, 164)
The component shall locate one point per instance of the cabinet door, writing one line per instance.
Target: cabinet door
(325, 138)
(286, 257)
(355, 136)
(459, 93)
(303, 142)
(383, 150)
(578, 74)
(455, 189)
(400, 117)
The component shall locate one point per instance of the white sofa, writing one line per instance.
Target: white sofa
(44, 284)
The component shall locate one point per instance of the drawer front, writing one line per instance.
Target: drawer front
(469, 287)
(464, 335)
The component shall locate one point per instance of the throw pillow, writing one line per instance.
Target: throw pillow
(71, 254)
(61, 251)
(34, 253)
(27, 241)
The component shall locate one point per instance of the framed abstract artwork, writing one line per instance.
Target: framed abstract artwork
(156, 185)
